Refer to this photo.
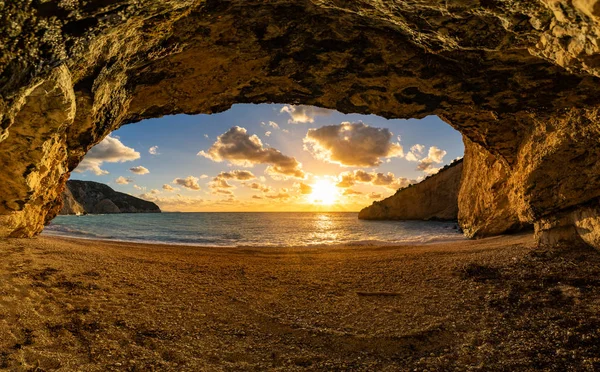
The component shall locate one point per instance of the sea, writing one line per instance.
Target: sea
(241, 229)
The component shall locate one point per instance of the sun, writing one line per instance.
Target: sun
(323, 192)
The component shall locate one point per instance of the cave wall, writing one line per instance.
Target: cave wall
(519, 79)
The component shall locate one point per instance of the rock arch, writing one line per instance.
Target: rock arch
(519, 80)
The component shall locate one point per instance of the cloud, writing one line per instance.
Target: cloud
(434, 156)
(219, 183)
(139, 187)
(123, 181)
(271, 124)
(260, 187)
(352, 144)
(256, 197)
(304, 188)
(153, 150)
(139, 170)
(239, 148)
(169, 188)
(350, 192)
(154, 191)
(268, 133)
(375, 195)
(349, 179)
(415, 152)
(206, 136)
(190, 182)
(304, 114)
(109, 150)
(203, 176)
(279, 196)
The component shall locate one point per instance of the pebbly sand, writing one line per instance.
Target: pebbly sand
(491, 304)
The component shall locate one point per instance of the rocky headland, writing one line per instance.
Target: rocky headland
(87, 197)
(435, 198)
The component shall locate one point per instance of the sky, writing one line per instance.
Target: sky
(270, 157)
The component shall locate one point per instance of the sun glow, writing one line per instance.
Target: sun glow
(324, 192)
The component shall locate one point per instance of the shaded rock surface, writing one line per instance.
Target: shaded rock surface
(97, 198)
(518, 78)
(435, 198)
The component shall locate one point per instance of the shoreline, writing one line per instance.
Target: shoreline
(374, 243)
(77, 304)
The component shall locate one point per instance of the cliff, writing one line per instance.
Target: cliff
(435, 198)
(518, 78)
(82, 197)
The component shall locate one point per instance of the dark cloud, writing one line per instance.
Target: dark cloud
(189, 182)
(239, 148)
(349, 179)
(352, 144)
(139, 170)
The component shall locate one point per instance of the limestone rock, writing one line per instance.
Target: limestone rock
(69, 204)
(97, 198)
(105, 206)
(518, 78)
(435, 198)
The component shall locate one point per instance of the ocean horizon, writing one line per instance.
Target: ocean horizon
(256, 229)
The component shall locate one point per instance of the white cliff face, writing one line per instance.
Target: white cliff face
(435, 198)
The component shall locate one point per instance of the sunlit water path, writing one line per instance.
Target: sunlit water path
(251, 229)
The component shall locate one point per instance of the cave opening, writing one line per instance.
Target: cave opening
(270, 157)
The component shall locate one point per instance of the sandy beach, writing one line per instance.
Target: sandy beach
(491, 304)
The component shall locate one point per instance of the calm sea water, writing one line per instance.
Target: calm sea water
(250, 229)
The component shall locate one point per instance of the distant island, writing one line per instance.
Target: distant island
(87, 197)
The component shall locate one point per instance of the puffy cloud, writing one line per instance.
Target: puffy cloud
(268, 133)
(434, 156)
(123, 181)
(190, 182)
(304, 114)
(240, 175)
(271, 124)
(375, 195)
(203, 176)
(206, 136)
(219, 183)
(304, 188)
(153, 150)
(169, 188)
(352, 144)
(139, 170)
(415, 152)
(348, 179)
(139, 187)
(110, 150)
(257, 197)
(154, 192)
(260, 187)
(239, 148)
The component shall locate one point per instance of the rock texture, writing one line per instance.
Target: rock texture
(82, 197)
(519, 79)
(435, 198)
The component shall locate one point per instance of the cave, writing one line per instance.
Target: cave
(519, 80)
